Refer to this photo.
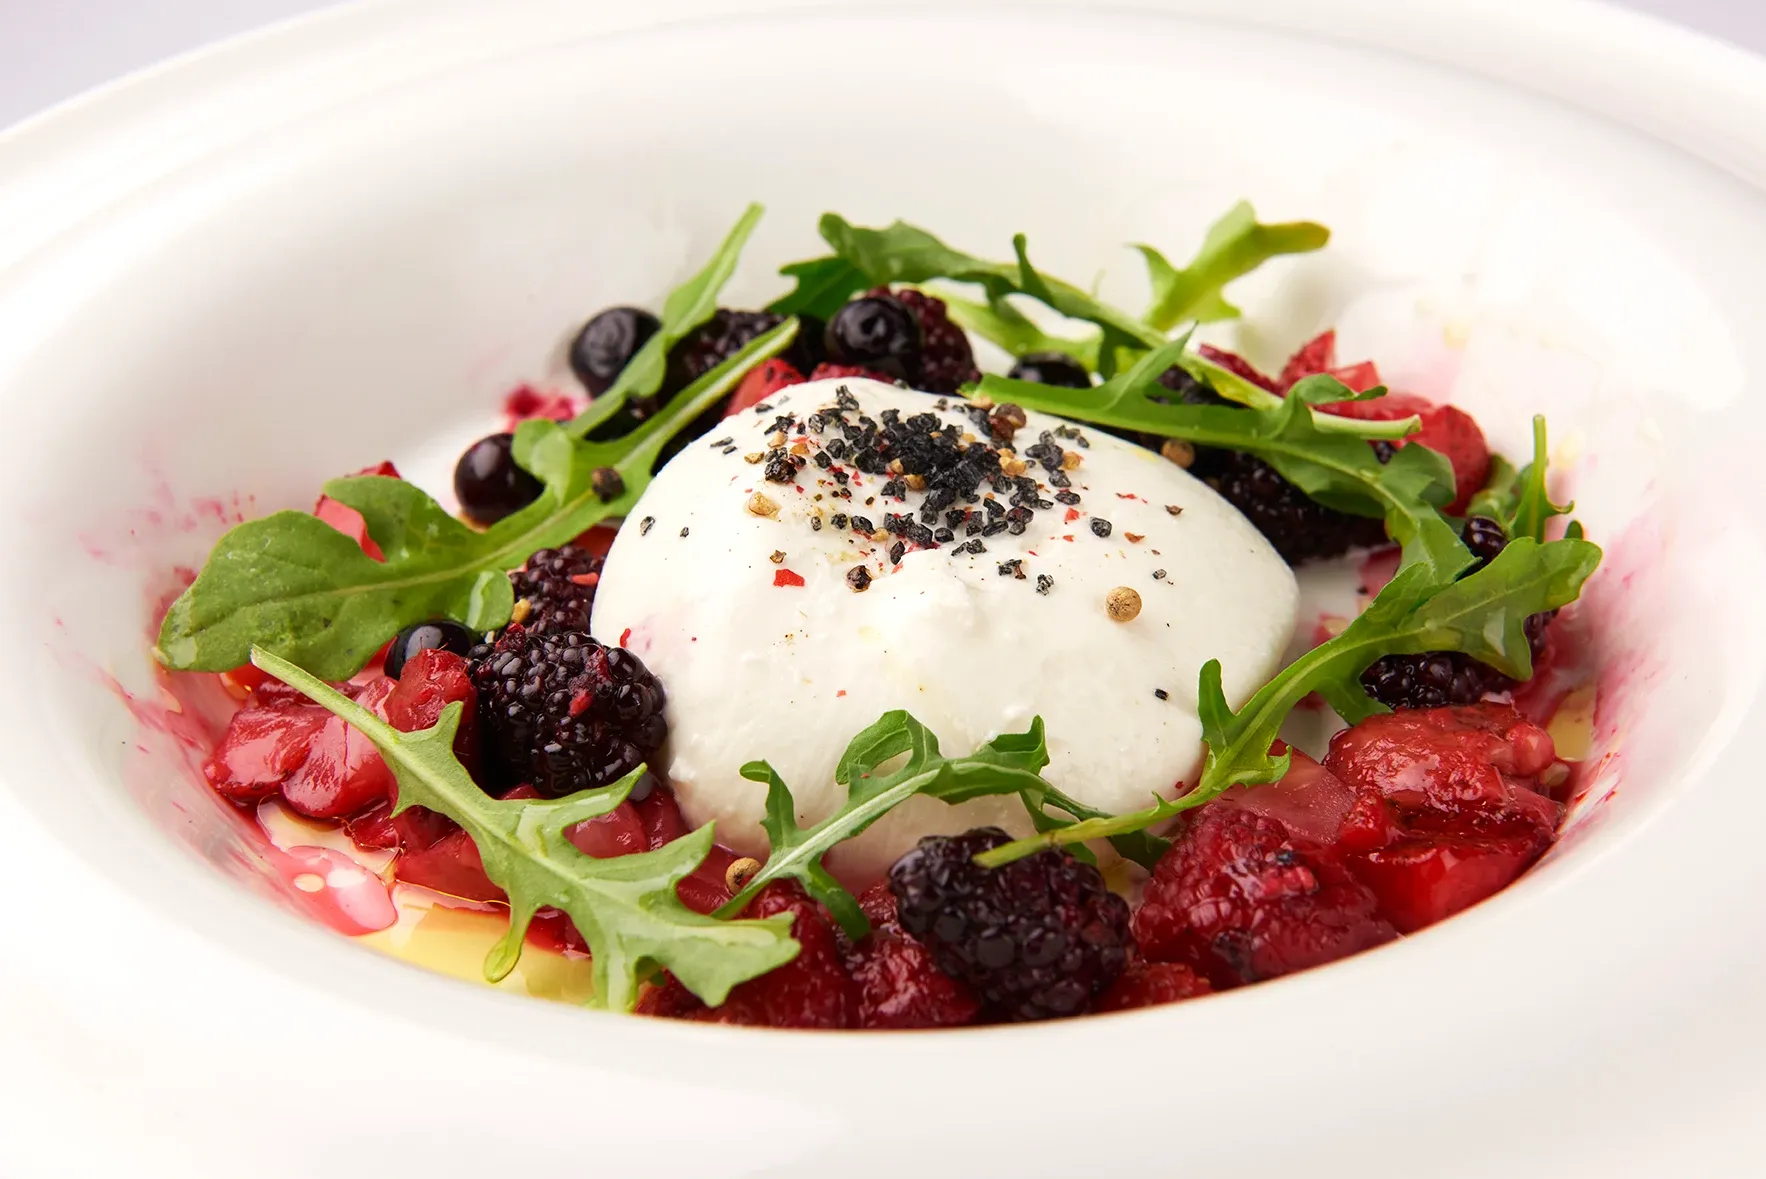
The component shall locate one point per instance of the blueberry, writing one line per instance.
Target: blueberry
(443, 633)
(877, 332)
(607, 344)
(487, 482)
(1051, 368)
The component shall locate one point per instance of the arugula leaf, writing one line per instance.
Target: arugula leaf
(625, 908)
(293, 584)
(1325, 456)
(823, 287)
(1009, 764)
(1483, 615)
(686, 307)
(1003, 324)
(1235, 245)
(1519, 500)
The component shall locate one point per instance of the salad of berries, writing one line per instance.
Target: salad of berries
(797, 673)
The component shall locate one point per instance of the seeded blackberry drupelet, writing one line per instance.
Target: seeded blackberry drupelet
(564, 713)
(559, 588)
(1437, 679)
(1053, 368)
(1039, 938)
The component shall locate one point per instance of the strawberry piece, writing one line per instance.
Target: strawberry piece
(660, 813)
(1310, 802)
(343, 773)
(263, 745)
(1448, 810)
(827, 372)
(431, 680)
(761, 383)
(1238, 900)
(704, 889)
(1148, 984)
(349, 521)
(1238, 365)
(413, 829)
(810, 991)
(1359, 377)
(450, 865)
(1317, 355)
(898, 985)
(1389, 408)
(597, 540)
(1455, 434)
(619, 832)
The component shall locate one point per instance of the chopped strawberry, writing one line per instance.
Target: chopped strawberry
(1317, 355)
(619, 832)
(898, 986)
(1238, 365)
(1238, 900)
(761, 383)
(1389, 408)
(343, 773)
(263, 745)
(1449, 809)
(1309, 802)
(1359, 377)
(450, 865)
(349, 521)
(430, 681)
(413, 829)
(828, 372)
(597, 540)
(1148, 984)
(810, 991)
(1454, 433)
(660, 813)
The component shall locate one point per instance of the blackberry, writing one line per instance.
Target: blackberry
(947, 363)
(607, 344)
(559, 587)
(489, 484)
(423, 636)
(1299, 528)
(1437, 679)
(726, 333)
(878, 332)
(1053, 368)
(563, 713)
(1039, 938)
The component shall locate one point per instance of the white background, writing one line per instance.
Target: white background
(53, 49)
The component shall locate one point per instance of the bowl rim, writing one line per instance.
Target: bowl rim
(1618, 65)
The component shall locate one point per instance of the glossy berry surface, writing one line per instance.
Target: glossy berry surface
(442, 634)
(1150, 984)
(898, 985)
(947, 362)
(810, 991)
(1449, 808)
(489, 484)
(1052, 368)
(1484, 537)
(1296, 526)
(1038, 938)
(1238, 900)
(562, 712)
(877, 332)
(558, 586)
(607, 344)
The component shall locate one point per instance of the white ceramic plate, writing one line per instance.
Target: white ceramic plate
(299, 253)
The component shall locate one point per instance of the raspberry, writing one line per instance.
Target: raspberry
(1237, 900)
(559, 587)
(761, 383)
(1148, 984)
(947, 362)
(1038, 938)
(810, 991)
(1449, 808)
(563, 712)
(898, 984)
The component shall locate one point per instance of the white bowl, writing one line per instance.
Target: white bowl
(226, 280)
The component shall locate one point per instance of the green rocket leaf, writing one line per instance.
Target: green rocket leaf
(625, 907)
